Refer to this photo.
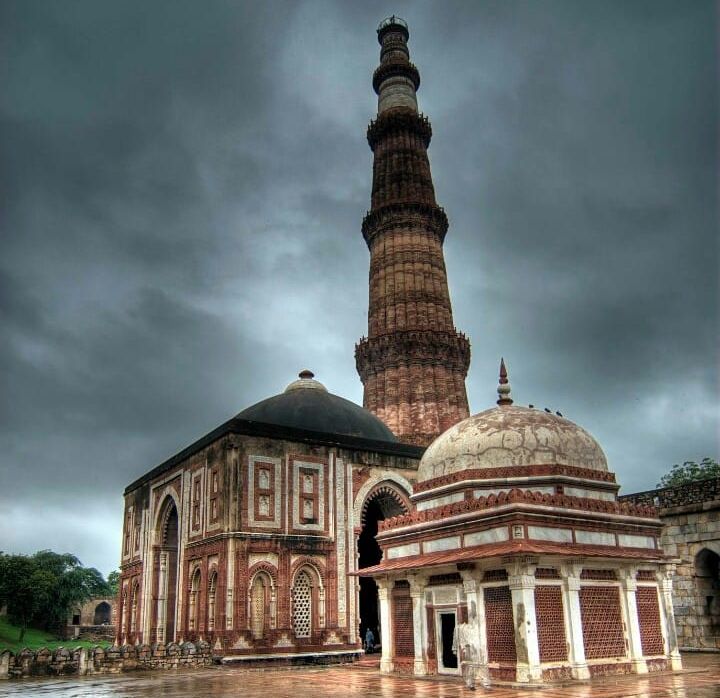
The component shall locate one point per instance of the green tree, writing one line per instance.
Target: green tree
(690, 471)
(73, 584)
(41, 589)
(113, 581)
(25, 588)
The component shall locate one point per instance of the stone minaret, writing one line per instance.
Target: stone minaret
(413, 363)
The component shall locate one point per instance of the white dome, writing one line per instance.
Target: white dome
(510, 436)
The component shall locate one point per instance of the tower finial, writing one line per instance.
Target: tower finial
(504, 386)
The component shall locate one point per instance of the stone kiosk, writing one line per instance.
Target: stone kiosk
(517, 561)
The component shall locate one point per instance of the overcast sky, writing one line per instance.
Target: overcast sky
(182, 190)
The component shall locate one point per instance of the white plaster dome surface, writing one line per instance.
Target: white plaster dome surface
(508, 436)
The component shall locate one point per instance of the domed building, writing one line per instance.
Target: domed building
(306, 520)
(517, 562)
(246, 538)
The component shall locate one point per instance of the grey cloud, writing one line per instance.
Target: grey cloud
(184, 186)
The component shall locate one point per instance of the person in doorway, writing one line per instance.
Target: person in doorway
(369, 641)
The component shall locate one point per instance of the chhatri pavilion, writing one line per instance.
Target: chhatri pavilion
(517, 562)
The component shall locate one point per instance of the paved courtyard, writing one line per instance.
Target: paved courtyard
(700, 680)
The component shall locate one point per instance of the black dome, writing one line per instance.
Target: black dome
(306, 404)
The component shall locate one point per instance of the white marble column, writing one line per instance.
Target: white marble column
(632, 623)
(573, 621)
(417, 594)
(386, 658)
(476, 626)
(522, 588)
(666, 608)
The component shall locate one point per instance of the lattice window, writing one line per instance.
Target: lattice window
(257, 607)
(499, 624)
(546, 573)
(403, 622)
(495, 576)
(602, 622)
(134, 606)
(646, 576)
(302, 604)
(648, 608)
(439, 579)
(599, 575)
(550, 623)
(212, 590)
(193, 603)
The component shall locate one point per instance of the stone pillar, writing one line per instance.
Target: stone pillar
(666, 608)
(522, 588)
(230, 585)
(632, 623)
(386, 658)
(162, 597)
(476, 629)
(573, 621)
(417, 594)
(5, 664)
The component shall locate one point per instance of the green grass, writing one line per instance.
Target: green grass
(35, 639)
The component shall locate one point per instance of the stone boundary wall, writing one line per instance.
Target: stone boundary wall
(96, 660)
(691, 514)
(691, 494)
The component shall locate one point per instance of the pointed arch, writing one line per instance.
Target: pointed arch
(385, 482)
(211, 600)
(166, 534)
(308, 600)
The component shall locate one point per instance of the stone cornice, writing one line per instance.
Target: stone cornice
(513, 471)
(393, 68)
(399, 119)
(516, 496)
(429, 347)
(391, 217)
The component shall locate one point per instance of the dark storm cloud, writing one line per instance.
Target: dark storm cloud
(183, 189)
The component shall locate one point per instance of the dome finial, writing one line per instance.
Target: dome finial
(504, 386)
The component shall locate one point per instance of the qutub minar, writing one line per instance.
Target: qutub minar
(413, 363)
(500, 550)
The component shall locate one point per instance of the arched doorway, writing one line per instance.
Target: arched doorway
(102, 614)
(707, 581)
(166, 572)
(384, 501)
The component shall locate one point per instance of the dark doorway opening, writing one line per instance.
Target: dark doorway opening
(170, 545)
(707, 580)
(381, 505)
(102, 614)
(447, 633)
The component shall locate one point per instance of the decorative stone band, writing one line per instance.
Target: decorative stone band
(514, 471)
(429, 348)
(392, 45)
(396, 121)
(392, 68)
(411, 215)
(520, 497)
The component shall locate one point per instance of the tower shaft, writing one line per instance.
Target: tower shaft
(413, 363)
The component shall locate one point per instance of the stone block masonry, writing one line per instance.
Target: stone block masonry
(691, 535)
(96, 660)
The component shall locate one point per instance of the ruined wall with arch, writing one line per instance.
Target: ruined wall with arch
(691, 514)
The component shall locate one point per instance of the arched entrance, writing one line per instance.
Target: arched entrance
(102, 614)
(165, 571)
(384, 501)
(707, 581)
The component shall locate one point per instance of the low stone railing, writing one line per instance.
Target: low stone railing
(97, 660)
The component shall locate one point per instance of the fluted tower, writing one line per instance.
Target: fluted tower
(413, 363)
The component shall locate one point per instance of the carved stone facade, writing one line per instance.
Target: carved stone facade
(247, 538)
(413, 363)
(498, 573)
(691, 535)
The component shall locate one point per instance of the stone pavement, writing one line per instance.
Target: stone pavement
(700, 680)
